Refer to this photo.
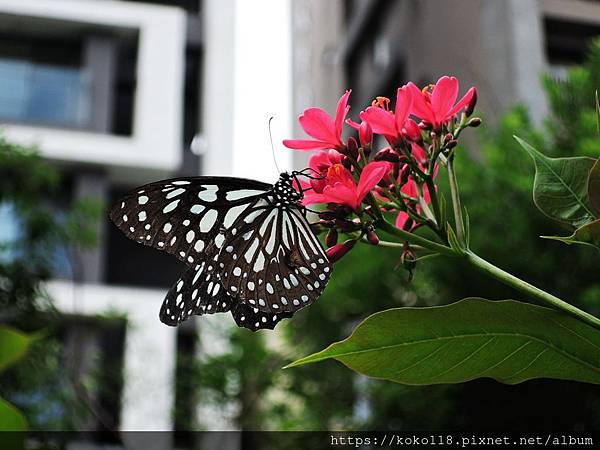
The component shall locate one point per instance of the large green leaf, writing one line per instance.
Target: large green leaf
(594, 188)
(560, 186)
(11, 418)
(13, 345)
(506, 340)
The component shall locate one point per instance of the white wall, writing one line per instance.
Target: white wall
(157, 125)
(150, 348)
(248, 79)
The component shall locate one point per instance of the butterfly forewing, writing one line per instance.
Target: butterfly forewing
(274, 263)
(183, 216)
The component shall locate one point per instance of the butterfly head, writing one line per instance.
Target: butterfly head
(284, 189)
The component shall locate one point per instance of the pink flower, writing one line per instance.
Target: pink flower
(383, 121)
(343, 190)
(327, 132)
(319, 163)
(438, 106)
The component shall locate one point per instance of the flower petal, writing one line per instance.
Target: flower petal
(311, 198)
(412, 130)
(341, 194)
(340, 113)
(462, 102)
(420, 107)
(404, 100)
(382, 122)
(353, 124)
(306, 144)
(444, 95)
(401, 219)
(418, 153)
(370, 176)
(318, 124)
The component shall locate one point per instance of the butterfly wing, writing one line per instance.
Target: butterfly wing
(273, 262)
(184, 216)
(246, 253)
(199, 292)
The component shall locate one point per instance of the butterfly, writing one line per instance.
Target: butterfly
(248, 246)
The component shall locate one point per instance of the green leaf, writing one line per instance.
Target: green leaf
(560, 186)
(453, 241)
(597, 113)
(594, 188)
(13, 345)
(11, 418)
(506, 340)
(588, 234)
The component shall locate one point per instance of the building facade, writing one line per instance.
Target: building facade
(501, 47)
(109, 92)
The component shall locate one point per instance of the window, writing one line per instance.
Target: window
(43, 82)
(566, 43)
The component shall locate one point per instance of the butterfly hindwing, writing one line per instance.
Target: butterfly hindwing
(274, 263)
(255, 319)
(198, 292)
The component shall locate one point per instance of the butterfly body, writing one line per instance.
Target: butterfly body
(248, 246)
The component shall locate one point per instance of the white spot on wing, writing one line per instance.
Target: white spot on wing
(175, 193)
(242, 193)
(171, 206)
(233, 214)
(197, 209)
(209, 194)
(208, 220)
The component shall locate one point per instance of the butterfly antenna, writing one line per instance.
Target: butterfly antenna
(272, 146)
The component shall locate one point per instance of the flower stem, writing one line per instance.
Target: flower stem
(520, 285)
(456, 205)
(414, 238)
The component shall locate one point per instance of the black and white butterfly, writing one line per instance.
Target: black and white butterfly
(248, 246)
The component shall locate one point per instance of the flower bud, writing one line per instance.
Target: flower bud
(474, 122)
(347, 226)
(387, 154)
(471, 106)
(372, 236)
(404, 174)
(352, 148)
(338, 251)
(365, 134)
(451, 144)
(331, 238)
(409, 261)
(448, 138)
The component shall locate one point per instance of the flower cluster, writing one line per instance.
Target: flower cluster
(391, 169)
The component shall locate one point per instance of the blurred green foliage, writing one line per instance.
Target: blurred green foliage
(496, 188)
(41, 227)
